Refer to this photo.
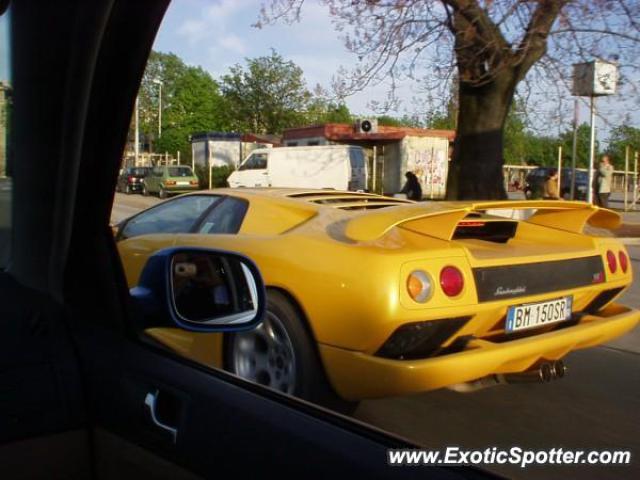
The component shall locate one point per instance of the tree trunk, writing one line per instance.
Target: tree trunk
(475, 171)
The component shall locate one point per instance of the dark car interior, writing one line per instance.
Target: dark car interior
(82, 395)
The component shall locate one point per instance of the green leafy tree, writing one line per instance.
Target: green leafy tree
(619, 138)
(267, 95)
(582, 146)
(404, 121)
(541, 150)
(196, 106)
(441, 121)
(337, 113)
(516, 137)
(322, 109)
(191, 102)
(447, 119)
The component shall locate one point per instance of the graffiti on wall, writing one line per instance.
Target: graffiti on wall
(430, 166)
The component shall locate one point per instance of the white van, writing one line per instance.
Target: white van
(341, 167)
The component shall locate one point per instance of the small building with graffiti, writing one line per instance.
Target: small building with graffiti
(391, 151)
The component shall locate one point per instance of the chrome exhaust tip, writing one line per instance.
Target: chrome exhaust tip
(543, 373)
(559, 369)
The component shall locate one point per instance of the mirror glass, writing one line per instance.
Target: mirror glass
(213, 288)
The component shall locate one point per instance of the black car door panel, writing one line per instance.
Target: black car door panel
(222, 427)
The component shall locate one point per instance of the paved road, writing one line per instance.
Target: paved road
(596, 406)
(125, 206)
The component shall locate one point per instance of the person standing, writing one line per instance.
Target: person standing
(605, 175)
(551, 191)
(412, 188)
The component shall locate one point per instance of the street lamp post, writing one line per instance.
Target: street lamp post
(159, 82)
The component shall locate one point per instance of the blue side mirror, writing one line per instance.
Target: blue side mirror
(201, 290)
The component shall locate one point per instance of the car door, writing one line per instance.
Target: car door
(73, 342)
(254, 171)
(156, 177)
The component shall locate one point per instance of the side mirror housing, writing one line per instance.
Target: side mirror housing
(200, 290)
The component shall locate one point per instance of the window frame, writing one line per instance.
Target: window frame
(203, 218)
(250, 158)
(123, 224)
(187, 167)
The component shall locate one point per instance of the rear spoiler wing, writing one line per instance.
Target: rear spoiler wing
(440, 220)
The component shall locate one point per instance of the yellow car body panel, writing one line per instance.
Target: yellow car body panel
(380, 377)
(347, 272)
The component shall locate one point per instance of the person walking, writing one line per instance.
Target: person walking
(605, 175)
(412, 188)
(551, 191)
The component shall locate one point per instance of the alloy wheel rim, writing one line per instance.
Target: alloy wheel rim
(265, 355)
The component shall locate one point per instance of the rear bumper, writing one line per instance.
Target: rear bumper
(355, 375)
(181, 189)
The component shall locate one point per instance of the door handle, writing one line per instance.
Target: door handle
(151, 401)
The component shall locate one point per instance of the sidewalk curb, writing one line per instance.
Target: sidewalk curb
(629, 240)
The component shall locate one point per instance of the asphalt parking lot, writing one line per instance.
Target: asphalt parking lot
(596, 406)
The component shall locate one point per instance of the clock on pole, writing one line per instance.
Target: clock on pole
(593, 79)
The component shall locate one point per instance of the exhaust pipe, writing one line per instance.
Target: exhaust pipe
(559, 369)
(542, 373)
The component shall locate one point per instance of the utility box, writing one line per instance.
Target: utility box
(594, 79)
(367, 125)
(220, 149)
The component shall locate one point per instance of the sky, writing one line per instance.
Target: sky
(217, 34)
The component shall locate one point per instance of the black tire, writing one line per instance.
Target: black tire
(145, 192)
(310, 380)
(162, 193)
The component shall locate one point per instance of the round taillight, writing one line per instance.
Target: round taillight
(419, 286)
(451, 281)
(611, 260)
(624, 261)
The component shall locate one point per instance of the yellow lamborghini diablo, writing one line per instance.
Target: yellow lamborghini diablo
(370, 296)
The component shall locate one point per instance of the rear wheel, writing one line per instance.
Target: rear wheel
(281, 354)
(162, 193)
(145, 192)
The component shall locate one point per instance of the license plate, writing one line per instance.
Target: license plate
(531, 315)
(182, 183)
